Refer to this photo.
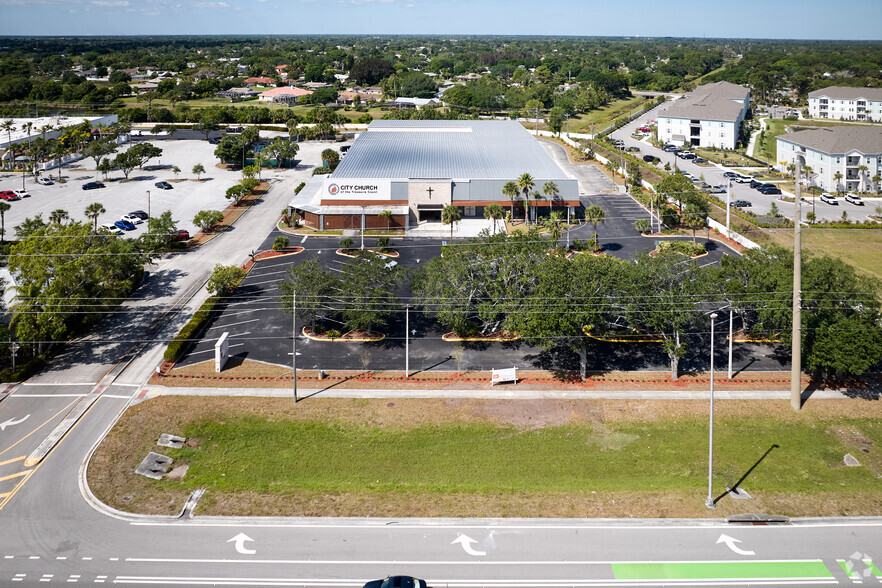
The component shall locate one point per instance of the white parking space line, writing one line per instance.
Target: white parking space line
(305, 237)
(212, 349)
(231, 324)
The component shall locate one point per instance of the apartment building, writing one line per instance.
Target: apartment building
(710, 116)
(844, 103)
(854, 152)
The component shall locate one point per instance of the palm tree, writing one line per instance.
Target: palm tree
(387, 214)
(93, 211)
(198, 169)
(493, 211)
(838, 177)
(292, 128)
(176, 170)
(864, 173)
(594, 215)
(525, 184)
(7, 126)
(876, 179)
(58, 216)
(4, 206)
(59, 150)
(550, 190)
(510, 189)
(553, 224)
(450, 215)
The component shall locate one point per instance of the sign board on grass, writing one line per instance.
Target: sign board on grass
(504, 375)
(221, 352)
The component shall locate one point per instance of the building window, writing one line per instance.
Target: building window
(469, 211)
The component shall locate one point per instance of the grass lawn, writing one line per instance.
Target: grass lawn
(352, 457)
(861, 248)
(730, 158)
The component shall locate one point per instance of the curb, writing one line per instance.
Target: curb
(61, 430)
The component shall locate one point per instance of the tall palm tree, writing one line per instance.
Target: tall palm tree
(28, 127)
(550, 190)
(494, 212)
(58, 216)
(4, 206)
(864, 173)
(450, 215)
(553, 225)
(510, 189)
(594, 215)
(387, 214)
(7, 126)
(838, 177)
(59, 150)
(93, 211)
(876, 179)
(525, 184)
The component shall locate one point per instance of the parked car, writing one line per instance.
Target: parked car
(92, 185)
(140, 214)
(650, 158)
(134, 219)
(730, 174)
(9, 195)
(112, 229)
(214, 140)
(741, 203)
(397, 582)
(767, 190)
(742, 179)
(45, 181)
(22, 193)
(163, 185)
(699, 160)
(829, 199)
(124, 225)
(633, 149)
(670, 148)
(644, 129)
(686, 155)
(854, 199)
(721, 189)
(180, 235)
(756, 185)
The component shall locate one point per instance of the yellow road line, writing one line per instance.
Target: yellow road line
(15, 475)
(31, 472)
(41, 426)
(3, 463)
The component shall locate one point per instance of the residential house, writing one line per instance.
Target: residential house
(286, 94)
(237, 94)
(854, 152)
(260, 81)
(846, 103)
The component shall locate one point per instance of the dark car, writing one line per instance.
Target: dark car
(650, 158)
(214, 140)
(730, 174)
(633, 149)
(397, 582)
(163, 185)
(92, 185)
(741, 203)
(770, 190)
(699, 160)
(124, 225)
(140, 214)
(756, 185)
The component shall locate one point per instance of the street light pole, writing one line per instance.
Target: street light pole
(796, 345)
(710, 455)
(148, 203)
(294, 342)
(407, 341)
(728, 205)
(730, 343)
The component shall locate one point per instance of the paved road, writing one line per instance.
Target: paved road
(713, 175)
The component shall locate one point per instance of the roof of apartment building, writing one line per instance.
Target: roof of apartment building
(847, 93)
(717, 101)
(839, 140)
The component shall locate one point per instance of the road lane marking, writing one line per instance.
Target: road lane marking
(119, 396)
(3, 463)
(15, 475)
(59, 384)
(51, 395)
(399, 562)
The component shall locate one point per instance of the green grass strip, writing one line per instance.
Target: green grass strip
(721, 570)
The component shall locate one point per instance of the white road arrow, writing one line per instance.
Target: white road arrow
(730, 543)
(466, 543)
(12, 422)
(240, 540)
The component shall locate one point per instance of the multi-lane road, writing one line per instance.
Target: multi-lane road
(52, 531)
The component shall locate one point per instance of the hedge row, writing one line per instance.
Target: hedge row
(191, 330)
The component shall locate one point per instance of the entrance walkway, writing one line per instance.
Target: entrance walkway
(465, 228)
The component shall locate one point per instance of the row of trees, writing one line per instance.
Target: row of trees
(513, 284)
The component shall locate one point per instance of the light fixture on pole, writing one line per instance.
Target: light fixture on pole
(710, 455)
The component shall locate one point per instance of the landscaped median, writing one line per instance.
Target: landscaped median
(479, 457)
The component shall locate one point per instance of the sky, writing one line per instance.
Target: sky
(761, 19)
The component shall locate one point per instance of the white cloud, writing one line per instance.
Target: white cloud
(109, 3)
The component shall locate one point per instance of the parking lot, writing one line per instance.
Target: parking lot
(186, 198)
(713, 175)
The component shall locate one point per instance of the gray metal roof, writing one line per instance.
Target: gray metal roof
(866, 140)
(439, 149)
(847, 93)
(715, 101)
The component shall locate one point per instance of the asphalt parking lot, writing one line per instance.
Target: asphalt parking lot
(713, 175)
(187, 197)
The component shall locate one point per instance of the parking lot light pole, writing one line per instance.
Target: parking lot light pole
(148, 203)
(407, 341)
(294, 342)
(710, 456)
(730, 343)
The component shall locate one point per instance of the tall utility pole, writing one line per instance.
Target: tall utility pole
(710, 452)
(294, 342)
(407, 341)
(796, 352)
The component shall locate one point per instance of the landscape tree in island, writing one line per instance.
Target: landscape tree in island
(595, 215)
(198, 170)
(224, 278)
(206, 219)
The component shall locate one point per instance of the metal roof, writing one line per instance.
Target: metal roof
(717, 101)
(847, 93)
(455, 149)
(866, 140)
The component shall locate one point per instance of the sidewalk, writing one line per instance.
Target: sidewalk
(501, 392)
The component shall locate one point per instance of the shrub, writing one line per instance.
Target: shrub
(383, 242)
(346, 243)
(281, 242)
(333, 333)
(299, 187)
(687, 248)
(190, 331)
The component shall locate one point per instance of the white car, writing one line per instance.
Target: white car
(133, 218)
(854, 199)
(742, 179)
(829, 199)
(45, 181)
(111, 228)
(22, 193)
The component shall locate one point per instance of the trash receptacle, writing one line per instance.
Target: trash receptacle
(322, 374)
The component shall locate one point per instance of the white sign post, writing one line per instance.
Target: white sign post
(221, 352)
(504, 375)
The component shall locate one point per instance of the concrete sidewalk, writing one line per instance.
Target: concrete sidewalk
(510, 393)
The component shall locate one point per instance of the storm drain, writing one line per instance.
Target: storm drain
(154, 466)
(173, 441)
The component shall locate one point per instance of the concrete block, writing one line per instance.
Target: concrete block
(850, 460)
(154, 466)
(173, 441)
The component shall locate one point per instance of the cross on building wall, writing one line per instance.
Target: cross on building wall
(430, 190)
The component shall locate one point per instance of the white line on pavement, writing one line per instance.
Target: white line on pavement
(231, 324)
(212, 349)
